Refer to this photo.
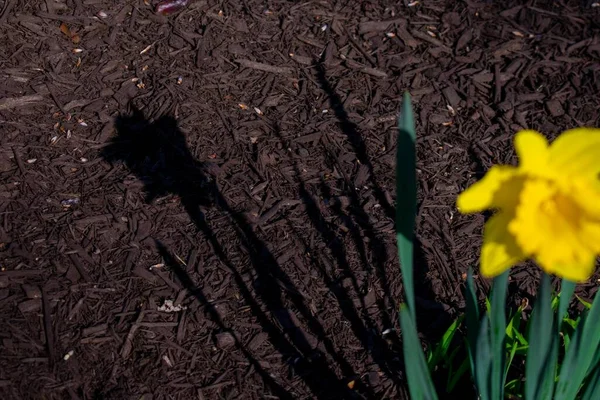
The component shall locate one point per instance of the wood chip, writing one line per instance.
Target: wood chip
(555, 108)
(224, 340)
(28, 306)
(32, 291)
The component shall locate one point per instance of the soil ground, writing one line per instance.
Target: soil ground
(201, 205)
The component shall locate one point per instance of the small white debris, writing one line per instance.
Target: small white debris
(325, 111)
(78, 50)
(594, 5)
(159, 265)
(82, 122)
(179, 80)
(414, 3)
(54, 139)
(83, 159)
(31, 160)
(168, 307)
(518, 34)
(69, 134)
(167, 360)
(390, 34)
(69, 355)
(258, 111)
(146, 49)
(451, 109)
(431, 34)
(102, 14)
(324, 27)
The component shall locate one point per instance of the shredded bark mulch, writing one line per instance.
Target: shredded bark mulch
(201, 205)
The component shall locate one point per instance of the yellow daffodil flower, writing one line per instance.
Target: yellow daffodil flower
(548, 208)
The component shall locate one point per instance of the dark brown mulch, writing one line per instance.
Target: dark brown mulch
(235, 161)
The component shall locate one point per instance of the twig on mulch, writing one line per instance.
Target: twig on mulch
(56, 101)
(435, 42)
(128, 344)
(18, 161)
(80, 268)
(48, 326)
(359, 47)
(23, 101)
(364, 69)
(264, 67)
(7, 8)
(379, 26)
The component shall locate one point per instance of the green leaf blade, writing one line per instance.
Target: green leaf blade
(541, 359)
(483, 364)
(419, 381)
(442, 348)
(566, 292)
(472, 311)
(406, 198)
(582, 352)
(498, 335)
(592, 390)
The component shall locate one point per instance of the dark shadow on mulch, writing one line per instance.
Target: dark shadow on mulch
(194, 290)
(433, 318)
(157, 153)
(431, 315)
(350, 129)
(361, 324)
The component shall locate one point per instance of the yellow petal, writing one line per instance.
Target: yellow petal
(497, 189)
(577, 152)
(532, 149)
(586, 193)
(500, 250)
(577, 271)
(590, 232)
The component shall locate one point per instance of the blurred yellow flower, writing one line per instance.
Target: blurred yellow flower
(548, 208)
